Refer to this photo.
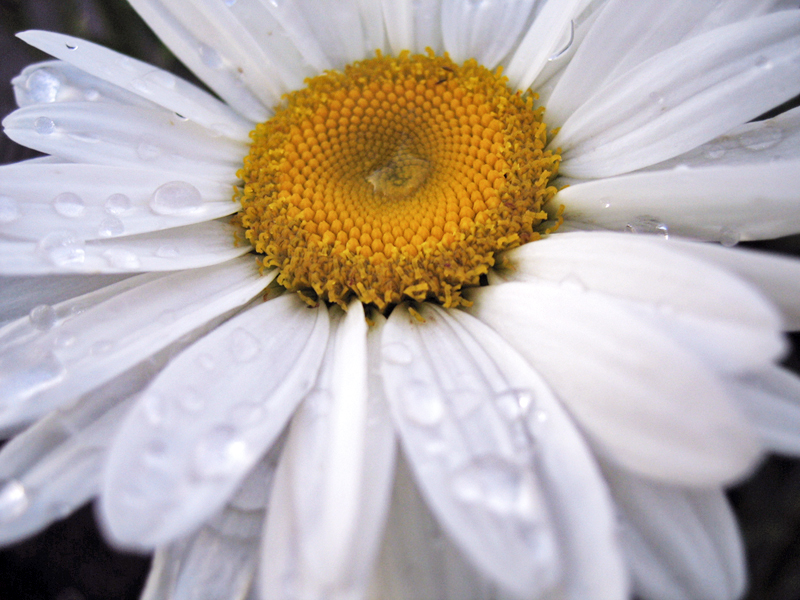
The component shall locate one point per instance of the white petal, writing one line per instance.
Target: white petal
(399, 20)
(428, 15)
(471, 459)
(332, 491)
(224, 53)
(778, 277)
(683, 97)
(114, 134)
(681, 544)
(60, 480)
(470, 29)
(63, 251)
(64, 360)
(772, 401)
(206, 420)
(139, 78)
(542, 41)
(95, 201)
(709, 203)
(644, 401)
(765, 141)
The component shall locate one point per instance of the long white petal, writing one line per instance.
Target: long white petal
(65, 359)
(206, 420)
(645, 402)
(138, 78)
(681, 544)
(684, 97)
(711, 203)
(332, 490)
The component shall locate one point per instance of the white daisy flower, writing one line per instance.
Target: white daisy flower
(488, 417)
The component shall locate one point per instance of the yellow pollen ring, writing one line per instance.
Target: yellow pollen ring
(398, 178)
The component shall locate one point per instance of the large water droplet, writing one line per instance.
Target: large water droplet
(110, 227)
(495, 484)
(422, 404)
(119, 258)
(117, 204)
(69, 205)
(44, 125)
(9, 210)
(62, 248)
(646, 224)
(14, 501)
(244, 345)
(729, 237)
(210, 57)
(761, 138)
(42, 86)
(43, 317)
(176, 198)
(220, 452)
(397, 353)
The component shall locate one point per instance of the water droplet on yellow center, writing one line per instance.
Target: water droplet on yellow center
(397, 178)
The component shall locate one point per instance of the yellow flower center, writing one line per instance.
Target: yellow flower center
(398, 178)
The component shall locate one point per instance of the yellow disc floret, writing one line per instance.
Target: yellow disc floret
(397, 178)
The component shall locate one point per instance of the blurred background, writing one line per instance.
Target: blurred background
(69, 561)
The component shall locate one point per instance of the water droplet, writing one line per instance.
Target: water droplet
(110, 227)
(563, 51)
(645, 224)
(422, 404)
(42, 85)
(514, 403)
(43, 317)
(85, 138)
(397, 353)
(71, 46)
(91, 95)
(9, 211)
(157, 409)
(764, 63)
(221, 451)
(761, 138)
(714, 151)
(176, 198)
(161, 79)
(117, 204)
(168, 251)
(44, 125)
(14, 501)
(656, 97)
(147, 151)
(210, 57)
(102, 347)
(120, 258)
(494, 483)
(62, 248)
(69, 205)
(244, 345)
(729, 237)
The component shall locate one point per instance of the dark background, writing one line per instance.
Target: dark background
(69, 561)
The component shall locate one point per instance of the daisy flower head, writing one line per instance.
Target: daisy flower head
(371, 320)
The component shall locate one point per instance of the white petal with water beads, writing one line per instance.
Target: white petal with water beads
(138, 78)
(719, 203)
(206, 420)
(683, 97)
(652, 407)
(471, 461)
(681, 544)
(65, 359)
(332, 490)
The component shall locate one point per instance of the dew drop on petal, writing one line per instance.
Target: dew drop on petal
(168, 251)
(714, 151)
(117, 204)
(244, 346)
(176, 198)
(649, 225)
(71, 46)
(219, 452)
(42, 85)
(91, 95)
(761, 138)
(729, 237)
(9, 210)
(120, 258)
(397, 353)
(14, 501)
(110, 227)
(514, 403)
(44, 125)
(161, 79)
(69, 205)
(422, 405)
(493, 483)
(210, 57)
(62, 248)
(42, 317)
(762, 62)
(157, 409)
